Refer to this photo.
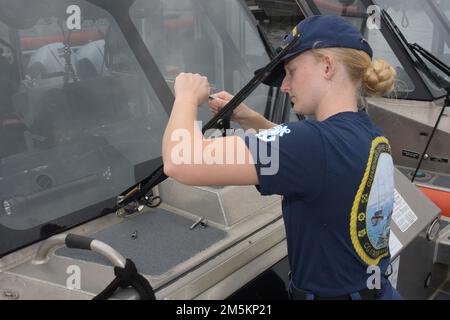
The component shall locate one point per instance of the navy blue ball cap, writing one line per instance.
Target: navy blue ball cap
(328, 31)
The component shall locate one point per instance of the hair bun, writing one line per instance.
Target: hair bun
(379, 78)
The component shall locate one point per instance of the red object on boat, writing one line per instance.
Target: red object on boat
(440, 198)
(335, 7)
(10, 122)
(186, 22)
(77, 38)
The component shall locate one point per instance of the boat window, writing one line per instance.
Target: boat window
(445, 7)
(79, 120)
(356, 12)
(277, 18)
(76, 124)
(215, 38)
(8, 78)
(422, 22)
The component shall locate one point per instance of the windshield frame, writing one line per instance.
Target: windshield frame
(422, 91)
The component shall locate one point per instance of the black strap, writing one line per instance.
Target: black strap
(366, 294)
(126, 277)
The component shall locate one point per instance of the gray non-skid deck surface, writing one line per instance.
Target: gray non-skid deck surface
(163, 241)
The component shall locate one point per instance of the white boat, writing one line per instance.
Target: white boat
(86, 129)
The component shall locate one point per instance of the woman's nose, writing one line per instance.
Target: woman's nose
(285, 87)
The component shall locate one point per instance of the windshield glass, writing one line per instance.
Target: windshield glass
(215, 38)
(79, 121)
(445, 7)
(74, 124)
(419, 20)
(425, 23)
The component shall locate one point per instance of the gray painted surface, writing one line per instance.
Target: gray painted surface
(163, 241)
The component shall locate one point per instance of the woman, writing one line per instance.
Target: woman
(335, 173)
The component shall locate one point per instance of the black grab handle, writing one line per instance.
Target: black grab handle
(75, 241)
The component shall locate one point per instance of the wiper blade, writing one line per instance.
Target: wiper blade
(146, 185)
(415, 50)
(435, 61)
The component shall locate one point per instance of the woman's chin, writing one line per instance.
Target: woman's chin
(302, 110)
(298, 109)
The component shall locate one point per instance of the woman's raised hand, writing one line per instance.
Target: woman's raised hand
(192, 87)
(219, 100)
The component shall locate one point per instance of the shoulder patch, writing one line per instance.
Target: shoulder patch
(373, 205)
(271, 134)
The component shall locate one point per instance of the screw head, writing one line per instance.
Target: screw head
(11, 294)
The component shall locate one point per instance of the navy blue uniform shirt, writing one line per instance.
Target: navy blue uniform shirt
(336, 179)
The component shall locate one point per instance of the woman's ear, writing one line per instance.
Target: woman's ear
(329, 67)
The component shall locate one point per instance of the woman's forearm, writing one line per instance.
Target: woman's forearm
(182, 118)
(255, 121)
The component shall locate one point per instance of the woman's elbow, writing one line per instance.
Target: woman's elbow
(170, 169)
(180, 174)
(175, 172)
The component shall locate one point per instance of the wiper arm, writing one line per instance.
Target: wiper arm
(435, 61)
(144, 187)
(418, 52)
(415, 51)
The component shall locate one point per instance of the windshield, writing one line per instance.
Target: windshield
(215, 38)
(425, 23)
(80, 121)
(420, 21)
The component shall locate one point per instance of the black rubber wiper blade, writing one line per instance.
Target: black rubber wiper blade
(414, 51)
(158, 176)
(442, 66)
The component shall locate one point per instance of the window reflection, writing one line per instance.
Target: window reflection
(421, 22)
(77, 115)
(355, 12)
(215, 38)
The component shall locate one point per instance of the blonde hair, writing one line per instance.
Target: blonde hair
(375, 78)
